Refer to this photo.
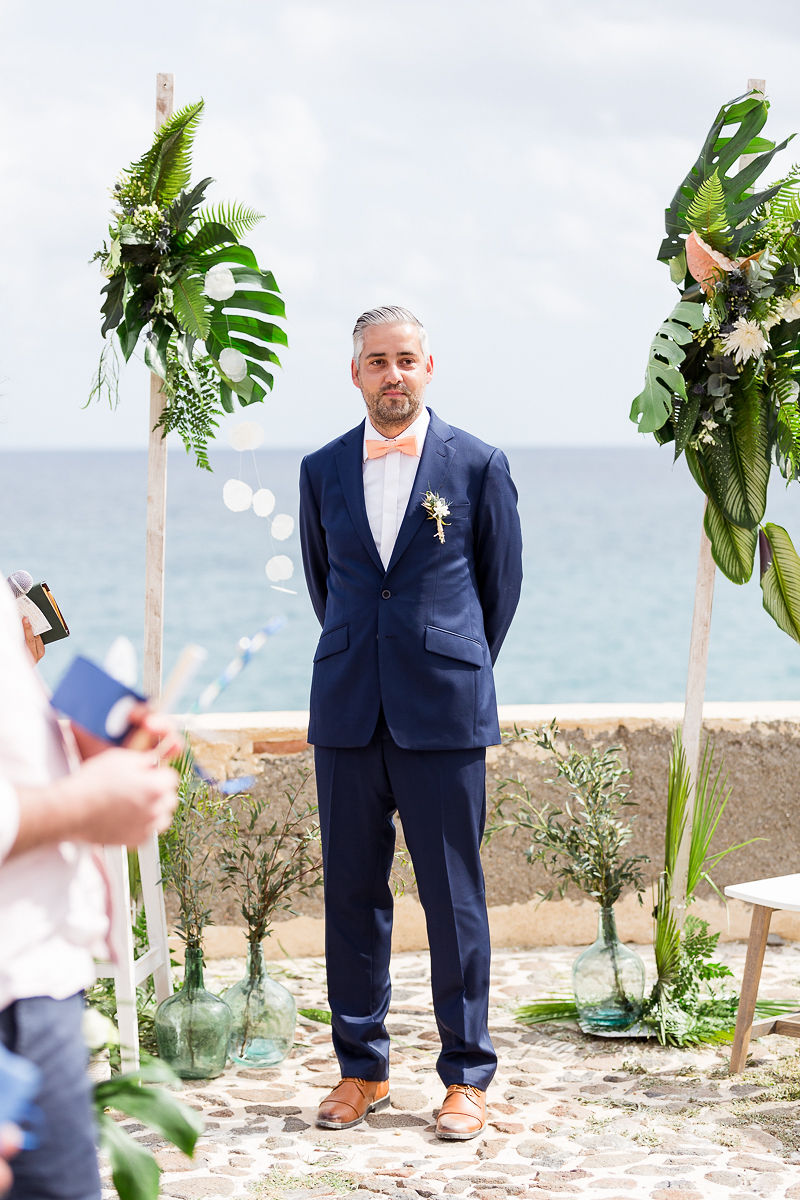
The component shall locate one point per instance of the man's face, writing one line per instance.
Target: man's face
(392, 375)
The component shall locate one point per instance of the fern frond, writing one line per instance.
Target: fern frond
(784, 389)
(166, 168)
(785, 394)
(237, 217)
(708, 214)
(784, 207)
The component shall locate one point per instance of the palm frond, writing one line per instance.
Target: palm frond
(555, 1008)
(237, 217)
(711, 798)
(708, 215)
(678, 789)
(666, 938)
(165, 169)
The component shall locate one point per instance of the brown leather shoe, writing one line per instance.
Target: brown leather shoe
(350, 1101)
(463, 1114)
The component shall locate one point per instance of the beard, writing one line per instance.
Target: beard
(389, 411)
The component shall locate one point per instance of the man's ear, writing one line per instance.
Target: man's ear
(429, 367)
(354, 373)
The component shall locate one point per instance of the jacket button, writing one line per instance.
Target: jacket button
(385, 594)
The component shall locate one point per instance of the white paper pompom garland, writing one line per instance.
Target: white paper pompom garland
(233, 364)
(263, 502)
(219, 283)
(279, 568)
(246, 436)
(238, 496)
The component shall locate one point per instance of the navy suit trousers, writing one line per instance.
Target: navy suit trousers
(440, 796)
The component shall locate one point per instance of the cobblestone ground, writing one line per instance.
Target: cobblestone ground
(569, 1115)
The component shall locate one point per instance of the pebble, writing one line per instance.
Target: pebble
(569, 1116)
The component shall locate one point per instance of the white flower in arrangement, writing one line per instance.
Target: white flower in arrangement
(146, 216)
(279, 568)
(233, 364)
(246, 435)
(790, 309)
(282, 527)
(219, 283)
(745, 341)
(98, 1029)
(437, 509)
(237, 495)
(705, 434)
(263, 502)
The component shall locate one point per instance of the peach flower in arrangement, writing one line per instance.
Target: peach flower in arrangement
(707, 265)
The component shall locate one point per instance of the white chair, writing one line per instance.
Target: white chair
(781, 893)
(129, 971)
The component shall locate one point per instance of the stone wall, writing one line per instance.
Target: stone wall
(758, 746)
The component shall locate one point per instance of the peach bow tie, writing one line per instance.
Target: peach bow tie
(406, 445)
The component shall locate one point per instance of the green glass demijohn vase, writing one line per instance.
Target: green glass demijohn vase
(608, 981)
(264, 1015)
(193, 1027)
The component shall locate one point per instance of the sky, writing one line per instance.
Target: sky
(500, 168)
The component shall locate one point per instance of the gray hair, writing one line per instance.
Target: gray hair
(390, 314)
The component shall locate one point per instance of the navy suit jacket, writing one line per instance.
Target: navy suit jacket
(420, 636)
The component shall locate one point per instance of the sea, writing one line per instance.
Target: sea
(611, 539)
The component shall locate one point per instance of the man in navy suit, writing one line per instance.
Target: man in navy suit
(412, 554)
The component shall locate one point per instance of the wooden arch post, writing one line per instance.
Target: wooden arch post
(155, 542)
(698, 669)
(128, 971)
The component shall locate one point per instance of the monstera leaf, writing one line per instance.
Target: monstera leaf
(780, 578)
(663, 380)
(746, 116)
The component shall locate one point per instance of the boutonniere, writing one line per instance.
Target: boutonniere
(437, 509)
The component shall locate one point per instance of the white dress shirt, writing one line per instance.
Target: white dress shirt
(388, 482)
(52, 898)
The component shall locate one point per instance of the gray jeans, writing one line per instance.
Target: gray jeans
(64, 1164)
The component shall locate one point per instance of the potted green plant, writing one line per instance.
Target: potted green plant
(275, 857)
(583, 845)
(193, 1026)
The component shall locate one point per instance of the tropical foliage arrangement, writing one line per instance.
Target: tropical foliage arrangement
(581, 845)
(685, 1005)
(179, 278)
(723, 375)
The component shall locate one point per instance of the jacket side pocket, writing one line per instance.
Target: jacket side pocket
(454, 645)
(333, 641)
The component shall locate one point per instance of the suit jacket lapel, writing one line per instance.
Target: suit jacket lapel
(349, 459)
(434, 465)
